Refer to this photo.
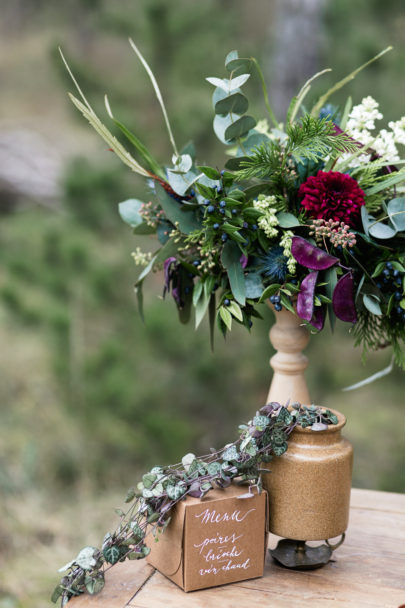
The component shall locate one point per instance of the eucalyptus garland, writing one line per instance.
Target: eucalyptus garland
(153, 499)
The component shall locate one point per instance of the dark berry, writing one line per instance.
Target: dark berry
(399, 310)
(192, 193)
(224, 237)
(222, 172)
(272, 300)
(250, 323)
(403, 317)
(398, 295)
(226, 302)
(234, 211)
(216, 226)
(222, 204)
(196, 263)
(254, 226)
(210, 208)
(388, 265)
(219, 189)
(222, 211)
(398, 281)
(246, 243)
(386, 272)
(277, 299)
(379, 285)
(206, 201)
(245, 225)
(395, 273)
(278, 307)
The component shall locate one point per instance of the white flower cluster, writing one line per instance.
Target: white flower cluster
(286, 243)
(141, 258)
(361, 121)
(268, 220)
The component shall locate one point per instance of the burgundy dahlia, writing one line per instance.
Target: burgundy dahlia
(332, 196)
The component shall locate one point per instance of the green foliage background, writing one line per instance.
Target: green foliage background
(91, 397)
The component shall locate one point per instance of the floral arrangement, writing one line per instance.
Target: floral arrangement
(153, 499)
(308, 213)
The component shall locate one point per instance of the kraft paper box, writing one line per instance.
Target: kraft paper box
(213, 541)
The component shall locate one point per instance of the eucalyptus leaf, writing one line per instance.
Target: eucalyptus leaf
(239, 128)
(396, 212)
(129, 212)
(372, 303)
(381, 231)
(253, 285)
(287, 220)
(221, 124)
(236, 103)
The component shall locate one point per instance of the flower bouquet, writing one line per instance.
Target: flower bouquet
(308, 212)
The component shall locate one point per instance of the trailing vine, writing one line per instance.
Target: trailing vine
(153, 499)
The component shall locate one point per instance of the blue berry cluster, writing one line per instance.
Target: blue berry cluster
(276, 301)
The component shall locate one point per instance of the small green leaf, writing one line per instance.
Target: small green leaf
(226, 317)
(130, 495)
(210, 172)
(86, 559)
(148, 480)
(112, 554)
(235, 311)
(94, 583)
(378, 270)
(230, 453)
(57, 592)
(270, 291)
(230, 259)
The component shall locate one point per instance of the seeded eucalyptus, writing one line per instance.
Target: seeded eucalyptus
(154, 497)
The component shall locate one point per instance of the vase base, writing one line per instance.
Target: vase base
(296, 554)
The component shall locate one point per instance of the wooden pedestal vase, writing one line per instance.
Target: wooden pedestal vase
(309, 486)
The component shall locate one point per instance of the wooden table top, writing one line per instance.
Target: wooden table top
(368, 571)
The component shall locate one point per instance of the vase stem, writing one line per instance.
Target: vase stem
(289, 337)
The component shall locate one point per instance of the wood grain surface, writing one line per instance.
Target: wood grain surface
(367, 571)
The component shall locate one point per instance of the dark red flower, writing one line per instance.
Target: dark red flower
(332, 195)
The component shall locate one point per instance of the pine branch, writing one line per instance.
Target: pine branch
(316, 138)
(264, 161)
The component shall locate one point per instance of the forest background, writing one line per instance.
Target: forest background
(91, 397)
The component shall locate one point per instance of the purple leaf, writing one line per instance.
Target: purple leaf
(343, 299)
(305, 299)
(310, 256)
(318, 318)
(166, 267)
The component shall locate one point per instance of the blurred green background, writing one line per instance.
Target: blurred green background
(91, 397)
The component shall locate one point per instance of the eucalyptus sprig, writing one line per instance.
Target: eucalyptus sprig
(154, 497)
